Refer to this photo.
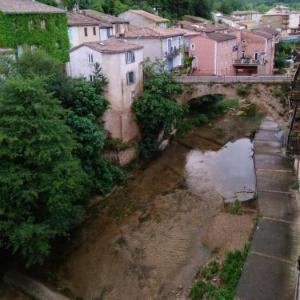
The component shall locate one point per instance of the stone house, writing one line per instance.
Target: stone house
(83, 29)
(256, 52)
(27, 24)
(143, 18)
(122, 63)
(213, 53)
(282, 19)
(119, 25)
(158, 43)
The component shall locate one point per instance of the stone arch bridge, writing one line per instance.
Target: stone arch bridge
(198, 86)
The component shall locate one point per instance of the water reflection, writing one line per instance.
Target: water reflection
(229, 171)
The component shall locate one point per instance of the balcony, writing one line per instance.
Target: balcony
(246, 62)
(172, 52)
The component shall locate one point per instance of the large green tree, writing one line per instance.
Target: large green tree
(42, 184)
(156, 110)
(86, 105)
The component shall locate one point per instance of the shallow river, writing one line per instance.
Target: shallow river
(148, 239)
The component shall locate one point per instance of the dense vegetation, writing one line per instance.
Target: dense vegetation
(50, 157)
(219, 281)
(175, 9)
(156, 110)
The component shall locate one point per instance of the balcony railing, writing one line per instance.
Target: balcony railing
(172, 52)
(246, 62)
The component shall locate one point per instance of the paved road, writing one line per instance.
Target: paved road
(270, 270)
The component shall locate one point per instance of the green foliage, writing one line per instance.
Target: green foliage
(228, 274)
(282, 52)
(42, 183)
(100, 81)
(234, 208)
(15, 31)
(156, 111)
(243, 90)
(85, 107)
(224, 105)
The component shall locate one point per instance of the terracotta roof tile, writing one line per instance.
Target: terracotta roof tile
(139, 32)
(149, 16)
(78, 19)
(220, 37)
(103, 17)
(26, 7)
(111, 46)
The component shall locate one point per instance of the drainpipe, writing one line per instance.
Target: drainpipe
(216, 55)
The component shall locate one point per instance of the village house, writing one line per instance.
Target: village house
(24, 22)
(213, 53)
(249, 15)
(122, 63)
(256, 52)
(83, 29)
(282, 19)
(233, 22)
(119, 25)
(143, 18)
(158, 43)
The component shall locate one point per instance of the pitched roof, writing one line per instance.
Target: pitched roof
(110, 46)
(262, 33)
(195, 19)
(149, 16)
(186, 32)
(79, 19)
(103, 17)
(220, 37)
(27, 7)
(148, 33)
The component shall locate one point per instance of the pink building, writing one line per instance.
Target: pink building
(213, 53)
(256, 53)
(237, 53)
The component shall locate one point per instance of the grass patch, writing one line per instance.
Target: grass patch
(219, 281)
(234, 208)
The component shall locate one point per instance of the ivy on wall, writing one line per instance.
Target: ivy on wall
(46, 31)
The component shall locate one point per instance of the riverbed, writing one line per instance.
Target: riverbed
(148, 239)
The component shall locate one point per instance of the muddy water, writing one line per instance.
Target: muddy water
(147, 239)
(229, 171)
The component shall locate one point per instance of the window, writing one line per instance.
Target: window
(243, 55)
(92, 78)
(30, 24)
(130, 57)
(130, 78)
(193, 46)
(255, 56)
(94, 30)
(19, 51)
(91, 58)
(43, 24)
(85, 31)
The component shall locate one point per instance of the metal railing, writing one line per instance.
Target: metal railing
(247, 62)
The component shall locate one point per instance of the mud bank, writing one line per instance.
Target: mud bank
(148, 239)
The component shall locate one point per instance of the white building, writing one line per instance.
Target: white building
(158, 43)
(122, 63)
(83, 29)
(144, 19)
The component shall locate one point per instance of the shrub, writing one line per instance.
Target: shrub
(243, 90)
(200, 120)
(224, 105)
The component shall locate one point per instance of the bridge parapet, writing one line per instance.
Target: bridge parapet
(234, 79)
